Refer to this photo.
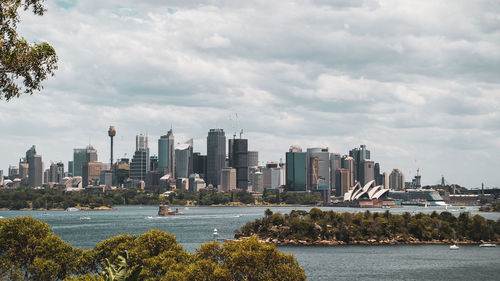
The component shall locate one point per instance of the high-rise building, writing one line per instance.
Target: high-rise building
(335, 164)
(91, 172)
(35, 170)
(342, 182)
(296, 169)
(70, 169)
(183, 160)
(397, 179)
(253, 158)
(228, 179)
(60, 171)
(13, 172)
(258, 182)
(216, 155)
(80, 156)
(200, 165)
(23, 171)
(153, 163)
(271, 175)
(367, 172)
(52, 173)
(348, 163)
(30, 152)
(318, 160)
(139, 165)
(359, 154)
(166, 154)
(1, 177)
(377, 174)
(141, 142)
(385, 180)
(238, 159)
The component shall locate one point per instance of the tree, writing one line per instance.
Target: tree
(20, 60)
(246, 260)
(31, 251)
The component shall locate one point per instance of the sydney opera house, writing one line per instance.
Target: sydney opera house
(369, 195)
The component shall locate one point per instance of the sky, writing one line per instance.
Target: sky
(417, 82)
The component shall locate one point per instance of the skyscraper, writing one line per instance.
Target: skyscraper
(200, 165)
(91, 171)
(359, 154)
(83, 155)
(296, 169)
(183, 159)
(342, 182)
(141, 142)
(318, 160)
(166, 154)
(70, 169)
(397, 179)
(216, 155)
(52, 173)
(335, 164)
(253, 158)
(35, 170)
(139, 165)
(348, 163)
(238, 159)
(228, 179)
(367, 172)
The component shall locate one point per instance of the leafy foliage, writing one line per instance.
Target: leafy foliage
(318, 225)
(19, 60)
(32, 252)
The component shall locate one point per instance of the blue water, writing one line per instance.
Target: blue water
(407, 262)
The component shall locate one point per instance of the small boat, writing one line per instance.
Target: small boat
(462, 207)
(487, 245)
(237, 216)
(1, 217)
(216, 234)
(84, 218)
(149, 217)
(186, 208)
(454, 247)
(45, 214)
(72, 209)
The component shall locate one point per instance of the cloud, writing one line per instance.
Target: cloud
(413, 81)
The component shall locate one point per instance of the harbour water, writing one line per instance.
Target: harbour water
(400, 262)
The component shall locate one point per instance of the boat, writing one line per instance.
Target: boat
(149, 217)
(487, 245)
(165, 211)
(45, 214)
(72, 209)
(462, 207)
(1, 217)
(238, 216)
(84, 218)
(454, 247)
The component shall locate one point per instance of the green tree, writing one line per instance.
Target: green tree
(247, 260)
(31, 251)
(20, 60)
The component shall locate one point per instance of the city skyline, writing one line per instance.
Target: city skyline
(141, 143)
(416, 82)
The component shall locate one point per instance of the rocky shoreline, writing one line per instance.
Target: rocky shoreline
(371, 242)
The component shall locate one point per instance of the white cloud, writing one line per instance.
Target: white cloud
(411, 80)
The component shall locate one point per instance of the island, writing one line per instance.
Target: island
(318, 227)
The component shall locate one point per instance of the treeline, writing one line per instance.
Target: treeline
(318, 225)
(56, 199)
(29, 198)
(31, 251)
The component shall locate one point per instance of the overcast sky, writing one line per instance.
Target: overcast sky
(418, 82)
